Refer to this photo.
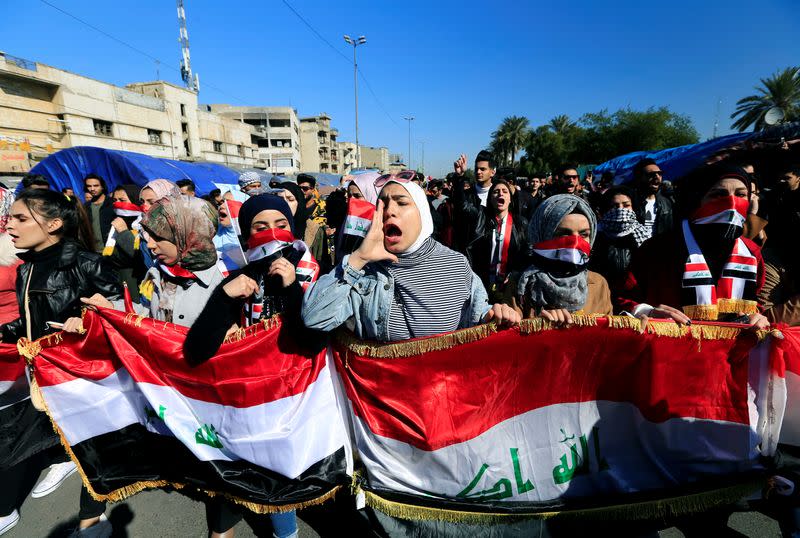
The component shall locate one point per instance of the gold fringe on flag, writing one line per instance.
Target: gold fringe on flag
(418, 346)
(737, 306)
(635, 511)
(348, 343)
(244, 332)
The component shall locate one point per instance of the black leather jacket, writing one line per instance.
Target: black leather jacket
(75, 273)
(664, 217)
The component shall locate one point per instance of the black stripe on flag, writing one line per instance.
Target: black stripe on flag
(744, 275)
(133, 454)
(693, 282)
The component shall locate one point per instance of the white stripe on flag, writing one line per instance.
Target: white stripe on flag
(685, 448)
(690, 275)
(286, 435)
(729, 216)
(571, 255)
(354, 225)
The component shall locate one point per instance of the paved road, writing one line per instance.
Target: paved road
(162, 514)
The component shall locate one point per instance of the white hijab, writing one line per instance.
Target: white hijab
(421, 201)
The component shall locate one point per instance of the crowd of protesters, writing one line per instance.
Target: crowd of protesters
(435, 256)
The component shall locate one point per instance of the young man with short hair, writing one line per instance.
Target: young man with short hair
(99, 208)
(315, 209)
(186, 186)
(653, 209)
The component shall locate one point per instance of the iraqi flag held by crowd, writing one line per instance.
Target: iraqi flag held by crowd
(258, 422)
(475, 423)
(359, 217)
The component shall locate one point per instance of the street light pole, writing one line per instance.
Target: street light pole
(356, 42)
(409, 119)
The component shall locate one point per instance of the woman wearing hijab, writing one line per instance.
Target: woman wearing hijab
(400, 283)
(361, 197)
(279, 270)
(704, 269)
(156, 190)
(308, 230)
(362, 186)
(619, 235)
(558, 283)
(179, 231)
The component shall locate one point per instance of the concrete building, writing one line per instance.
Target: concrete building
(319, 147)
(44, 109)
(375, 158)
(278, 129)
(347, 156)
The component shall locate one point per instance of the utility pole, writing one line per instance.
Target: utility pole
(356, 42)
(409, 119)
(422, 164)
(716, 118)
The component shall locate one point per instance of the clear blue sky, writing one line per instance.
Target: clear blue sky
(458, 67)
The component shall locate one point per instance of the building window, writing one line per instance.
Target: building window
(217, 146)
(240, 148)
(102, 128)
(183, 109)
(154, 136)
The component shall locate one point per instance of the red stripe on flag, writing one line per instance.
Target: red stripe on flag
(357, 207)
(744, 260)
(440, 398)
(12, 365)
(567, 241)
(252, 371)
(696, 267)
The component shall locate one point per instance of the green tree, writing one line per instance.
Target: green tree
(600, 136)
(781, 90)
(561, 124)
(509, 138)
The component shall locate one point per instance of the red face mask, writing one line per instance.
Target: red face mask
(726, 210)
(568, 249)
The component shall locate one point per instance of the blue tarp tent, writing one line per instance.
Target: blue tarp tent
(677, 162)
(68, 167)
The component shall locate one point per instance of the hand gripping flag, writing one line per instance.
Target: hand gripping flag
(538, 419)
(258, 422)
(269, 242)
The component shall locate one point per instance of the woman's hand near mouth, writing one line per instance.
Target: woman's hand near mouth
(372, 248)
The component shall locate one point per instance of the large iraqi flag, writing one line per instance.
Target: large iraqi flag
(545, 419)
(258, 422)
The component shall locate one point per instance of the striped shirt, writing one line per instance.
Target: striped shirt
(432, 288)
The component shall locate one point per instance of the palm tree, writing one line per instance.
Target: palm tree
(510, 137)
(781, 90)
(560, 123)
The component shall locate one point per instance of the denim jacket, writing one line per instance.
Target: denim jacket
(362, 299)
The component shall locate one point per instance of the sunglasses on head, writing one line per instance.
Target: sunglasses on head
(401, 177)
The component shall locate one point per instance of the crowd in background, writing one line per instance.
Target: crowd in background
(430, 256)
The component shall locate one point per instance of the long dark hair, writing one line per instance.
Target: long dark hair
(513, 205)
(51, 205)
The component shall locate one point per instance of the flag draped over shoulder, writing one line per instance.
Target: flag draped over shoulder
(258, 422)
(539, 420)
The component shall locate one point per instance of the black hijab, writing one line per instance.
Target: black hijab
(301, 215)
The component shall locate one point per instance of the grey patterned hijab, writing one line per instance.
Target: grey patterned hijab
(540, 286)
